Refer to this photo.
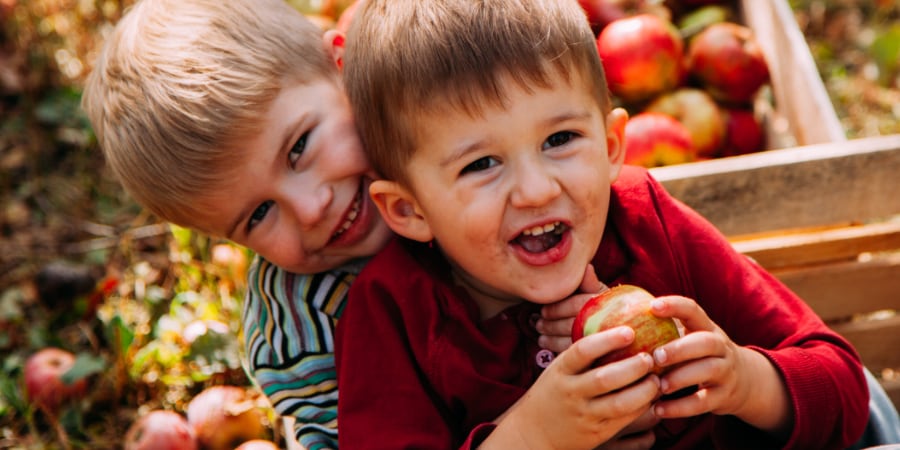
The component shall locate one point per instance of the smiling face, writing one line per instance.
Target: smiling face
(299, 196)
(515, 197)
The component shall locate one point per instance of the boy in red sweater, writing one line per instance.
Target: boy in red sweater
(502, 158)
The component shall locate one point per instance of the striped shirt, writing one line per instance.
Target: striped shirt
(288, 325)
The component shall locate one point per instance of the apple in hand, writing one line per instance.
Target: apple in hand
(655, 139)
(642, 56)
(699, 113)
(160, 430)
(630, 306)
(44, 383)
(727, 60)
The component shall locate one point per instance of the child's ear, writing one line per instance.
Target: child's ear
(615, 140)
(334, 46)
(400, 210)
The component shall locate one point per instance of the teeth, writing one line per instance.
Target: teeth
(539, 230)
(351, 216)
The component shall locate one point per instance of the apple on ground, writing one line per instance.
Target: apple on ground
(626, 305)
(160, 430)
(642, 56)
(699, 113)
(257, 444)
(44, 383)
(655, 139)
(728, 61)
(224, 417)
(744, 132)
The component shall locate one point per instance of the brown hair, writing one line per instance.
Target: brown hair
(406, 57)
(179, 80)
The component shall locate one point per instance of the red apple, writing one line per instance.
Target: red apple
(223, 417)
(699, 113)
(601, 13)
(727, 60)
(655, 139)
(630, 306)
(44, 384)
(744, 132)
(642, 56)
(257, 444)
(160, 430)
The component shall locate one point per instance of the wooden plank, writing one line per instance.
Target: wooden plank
(807, 186)
(838, 291)
(799, 93)
(877, 341)
(840, 244)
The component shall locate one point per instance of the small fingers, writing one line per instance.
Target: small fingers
(628, 402)
(691, 315)
(582, 354)
(556, 344)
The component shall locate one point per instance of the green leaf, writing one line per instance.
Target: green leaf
(85, 366)
(119, 334)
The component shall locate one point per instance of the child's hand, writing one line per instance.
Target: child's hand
(731, 379)
(573, 405)
(556, 320)
(638, 435)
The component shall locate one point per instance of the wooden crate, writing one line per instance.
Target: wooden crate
(824, 219)
(802, 113)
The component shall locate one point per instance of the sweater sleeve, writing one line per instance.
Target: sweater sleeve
(821, 370)
(288, 321)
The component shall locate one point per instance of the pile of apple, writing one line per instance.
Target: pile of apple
(689, 88)
(218, 418)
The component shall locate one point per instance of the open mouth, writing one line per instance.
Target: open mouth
(349, 217)
(541, 238)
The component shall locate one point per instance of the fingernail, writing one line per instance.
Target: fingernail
(659, 411)
(660, 356)
(658, 305)
(648, 360)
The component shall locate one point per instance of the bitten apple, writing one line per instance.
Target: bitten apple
(630, 306)
(44, 384)
(160, 430)
(727, 60)
(642, 56)
(655, 139)
(699, 113)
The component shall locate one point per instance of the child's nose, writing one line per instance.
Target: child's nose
(310, 207)
(534, 186)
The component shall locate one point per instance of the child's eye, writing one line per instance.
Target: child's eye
(479, 164)
(558, 139)
(298, 148)
(259, 214)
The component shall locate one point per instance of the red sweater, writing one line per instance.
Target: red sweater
(418, 369)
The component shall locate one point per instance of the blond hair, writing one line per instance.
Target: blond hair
(179, 80)
(409, 57)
